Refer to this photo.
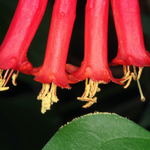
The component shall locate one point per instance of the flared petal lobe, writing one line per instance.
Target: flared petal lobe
(131, 49)
(24, 24)
(53, 68)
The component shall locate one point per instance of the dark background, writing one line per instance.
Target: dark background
(22, 126)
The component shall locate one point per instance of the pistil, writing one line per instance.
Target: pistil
(128, 75)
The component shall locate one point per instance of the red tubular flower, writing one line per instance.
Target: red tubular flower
(131, 49)
(53, 68)
(95, 63)
(21, 31)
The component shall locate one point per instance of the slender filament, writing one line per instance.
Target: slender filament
(91, 88)
(128, 77)
(5, 78)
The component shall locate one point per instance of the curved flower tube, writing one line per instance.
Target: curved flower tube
(53, 68)
(131, 49)
(95, 63)
(13, 49)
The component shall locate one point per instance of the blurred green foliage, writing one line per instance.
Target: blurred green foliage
(24, 127)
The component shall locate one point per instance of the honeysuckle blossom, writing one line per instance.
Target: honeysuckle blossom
(94, 67)
(53, 68)
(21, 31)
(131, 49)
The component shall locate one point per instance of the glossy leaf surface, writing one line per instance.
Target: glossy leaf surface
(100, 131)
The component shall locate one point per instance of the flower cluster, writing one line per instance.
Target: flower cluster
(94, 68)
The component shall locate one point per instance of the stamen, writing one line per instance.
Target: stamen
(89, 104)
(44, 91)
(134, 73)
(1, 71)
(48, 96)
(14, 77)
(8, 76)
(4, 79)
(128, 77)
(126, 70)
(6, 73)
(139, 72)
(87, 90)
(94, 88)
(90, 90)
(53, 93)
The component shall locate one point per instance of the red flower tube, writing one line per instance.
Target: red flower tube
(95, 63)
(53, 68)
(131, 49)
(21, 31)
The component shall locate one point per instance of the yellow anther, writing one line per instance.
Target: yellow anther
(2, 81)
(48, 96)
(44, 91)
(91, 88)
(2, 88)
(14, 77)
(53, 93)
(88, 104)
(94, 88)
(88, 99)
(1, 71)
(46, 103)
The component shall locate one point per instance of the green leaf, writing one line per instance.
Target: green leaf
(100, 131)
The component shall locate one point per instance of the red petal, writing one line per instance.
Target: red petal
(95, 63)
(21, 31)
(131, 49)
(53, 68)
